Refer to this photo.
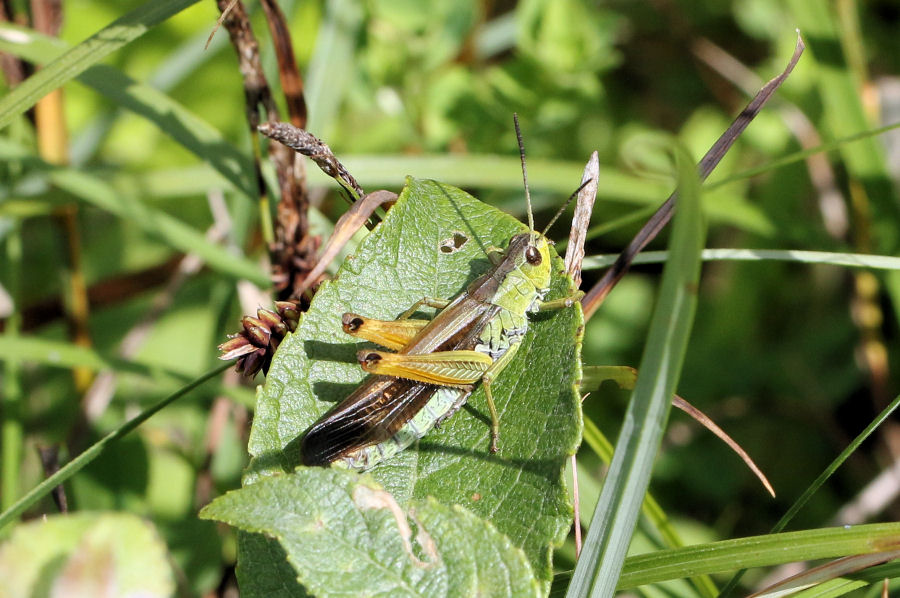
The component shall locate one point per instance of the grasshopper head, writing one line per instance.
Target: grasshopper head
(530, 252)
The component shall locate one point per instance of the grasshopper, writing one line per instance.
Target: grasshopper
(437, 362)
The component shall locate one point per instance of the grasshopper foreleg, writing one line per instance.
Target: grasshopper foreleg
(562, 302)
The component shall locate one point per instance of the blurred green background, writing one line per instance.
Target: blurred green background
(793, 360)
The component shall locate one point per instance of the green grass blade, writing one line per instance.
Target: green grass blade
(68, 355)
(170, 229)
(829, 589)
(120, 32)
(844, 113)
(174, 232)
(335, 53)
(170, 117)
(12, 402)
(850, 260)
(626, 483)
(60, 354)
(166, 183)
(821, 479)
(650, 508)
(29, 44)
(830, 578)
(838, 88)
(798, 156)
(79, 462)
(182, 125)
(758, 551)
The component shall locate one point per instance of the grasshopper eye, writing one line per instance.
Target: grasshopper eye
(533, 256)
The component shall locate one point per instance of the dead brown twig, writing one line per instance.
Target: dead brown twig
(592, 300)
(291, 249)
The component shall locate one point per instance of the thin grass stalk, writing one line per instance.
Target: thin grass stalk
(11, 429)
(650, 509)
(53, 146)
(819, 482)
(94, 451)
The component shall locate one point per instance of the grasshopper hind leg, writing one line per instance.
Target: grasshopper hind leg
(391, 334)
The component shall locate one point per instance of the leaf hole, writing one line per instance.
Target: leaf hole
(454, 243)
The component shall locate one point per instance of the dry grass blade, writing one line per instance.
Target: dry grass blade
(309, 145)
(256, 87)
(626, 378)
(658, 221)
(219, 21)
(826, 572)
(832, 204)
(346, 227)
(710, 425)
(584, 207)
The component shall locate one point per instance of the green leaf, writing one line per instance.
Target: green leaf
(520, 489)
(86, 554)
(344, 535)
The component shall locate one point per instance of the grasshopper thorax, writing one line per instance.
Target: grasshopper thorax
(522, 276)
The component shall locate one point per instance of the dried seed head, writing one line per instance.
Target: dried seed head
(271, 321)
(251, 364)
(235, 347)
(255, 345)
(289, 313)
(256, 331)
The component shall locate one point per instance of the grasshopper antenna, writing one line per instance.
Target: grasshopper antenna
(560, 211)
(524, 171)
